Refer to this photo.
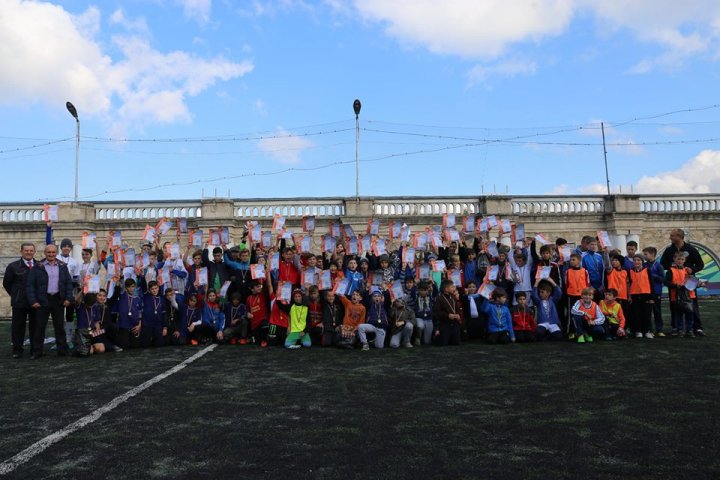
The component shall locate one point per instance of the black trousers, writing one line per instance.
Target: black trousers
(523, 336)
(449, 334)
(498, 337)
(151, 337)
(640, 314)
(55, 309)
(127, 339)
(276, 335)
(20, 317)
(111, 333)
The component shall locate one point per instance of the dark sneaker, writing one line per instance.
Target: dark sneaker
(699, 332)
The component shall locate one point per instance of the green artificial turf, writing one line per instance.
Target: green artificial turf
(622, 409)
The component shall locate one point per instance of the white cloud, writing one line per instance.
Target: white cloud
(593, 189)
(284, 147)
(138, 25)
(561, 189)
(51, 56)
(260, 107)
(700, 174)
(510, 68)
(198, 10)
(487, 29)
(470, 28)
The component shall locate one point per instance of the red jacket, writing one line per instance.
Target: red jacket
(523, 319)
(288, 273)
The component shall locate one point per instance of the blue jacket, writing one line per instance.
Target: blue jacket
(128, 310)
(355, 278)
(593, 263)
(425, 313)
(628, 264)
(36, 284)
(551, 314)
(470, 272)
(214, 318)
(240, 312)
(189, 316)
(151, 317)
(498, 318)
(657, 276)
(377, 316)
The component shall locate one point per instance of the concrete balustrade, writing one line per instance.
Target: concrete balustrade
(648, 218)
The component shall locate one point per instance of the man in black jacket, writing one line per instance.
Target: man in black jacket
(49, 290)
(14, 283)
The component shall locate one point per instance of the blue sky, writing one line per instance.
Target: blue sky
(459, 97)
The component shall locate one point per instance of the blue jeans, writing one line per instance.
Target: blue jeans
(366, 328)
(681, 318)
(403, 336)
(582, 327)
(424, 329)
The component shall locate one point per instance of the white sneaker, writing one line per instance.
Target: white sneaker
(365, 347)
(408, 345)
(638, 335)
(649, 335)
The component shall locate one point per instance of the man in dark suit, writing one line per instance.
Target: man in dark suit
(49, 290)
(14, 283)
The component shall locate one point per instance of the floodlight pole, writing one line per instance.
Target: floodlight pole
(607, 175)
(73, 111)
(356, 108)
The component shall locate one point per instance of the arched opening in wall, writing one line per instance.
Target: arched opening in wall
(710, 273)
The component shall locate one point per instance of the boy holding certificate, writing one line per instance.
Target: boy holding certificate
(681, 297)
(546, 296)
(257, 310)
(128, 308)
(298, 333)
(154, 328)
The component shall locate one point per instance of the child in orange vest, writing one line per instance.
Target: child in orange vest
(589, 319)
(617, 279)
(576, 279)
(640, 299)
(614, 314)
(681, 298)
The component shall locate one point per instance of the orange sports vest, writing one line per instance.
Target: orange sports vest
(639, 282)
(617, 279)
(576, 281)
(591, 311)
(679, 276)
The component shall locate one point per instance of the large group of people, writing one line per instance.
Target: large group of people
(483, 280)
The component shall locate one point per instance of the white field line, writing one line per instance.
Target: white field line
(38, 447)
